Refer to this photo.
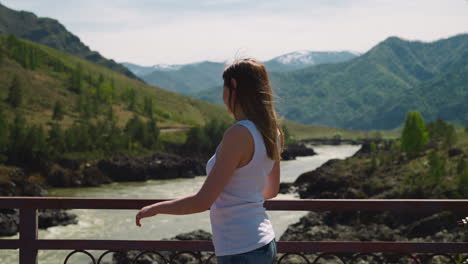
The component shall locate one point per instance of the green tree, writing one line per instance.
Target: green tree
(56, 141)
(436, 168)
(152, 134)
(197, 141)
(450, 136)
(132, 99)
(445, 132)
(15, 93)
(104, 92)
(17, 132)
(58, 111)
(377, 135)
(2, 53)
(148, 108)
(463, 183)
(414, 136)
(287, 134)
(136, 131)
(100, 78)
(36, 154)
(214, 131)
(4, 137)
(461, 165)
(110, 114)
(76, 79)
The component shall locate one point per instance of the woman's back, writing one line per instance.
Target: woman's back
(238, 219)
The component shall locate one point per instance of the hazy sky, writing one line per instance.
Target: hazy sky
(150, 32)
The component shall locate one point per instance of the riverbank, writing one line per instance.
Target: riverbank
(120, 224)
(15, 182)
(91, 173)
(381, 171)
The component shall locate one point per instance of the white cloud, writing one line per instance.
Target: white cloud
(150, 32)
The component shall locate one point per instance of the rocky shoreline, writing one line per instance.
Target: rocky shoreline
(18, 185)
(358, 177)
(84, 173)
(123, 168)
(81, 173)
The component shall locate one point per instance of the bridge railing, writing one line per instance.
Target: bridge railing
(343, 251)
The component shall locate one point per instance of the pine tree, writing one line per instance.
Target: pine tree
(135, 129)
(2, 53)
(56, 140)
(463, 183)
(286, 133)
(58, 111)
(15, 93)
(17, 134)
(76, 79)
(450, 137)
(414, 136)
(148, 106)
(4, 137)
(153, 134)
(436, 168)
(132, 99)
(110, 114)
(197, 140)
(36, 154)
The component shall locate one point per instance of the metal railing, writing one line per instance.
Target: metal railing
(29, 244)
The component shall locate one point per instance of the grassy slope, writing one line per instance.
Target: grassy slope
(42, 88)
(300, 131)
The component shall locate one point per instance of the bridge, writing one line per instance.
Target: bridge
(341, 251)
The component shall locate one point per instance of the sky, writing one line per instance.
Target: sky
(148, 32)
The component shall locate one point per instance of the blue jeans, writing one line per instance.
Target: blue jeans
(263, 255)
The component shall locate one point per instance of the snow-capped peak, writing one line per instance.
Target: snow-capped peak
(166, 67)
(296, 57)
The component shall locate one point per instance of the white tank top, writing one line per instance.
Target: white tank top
(239, 222)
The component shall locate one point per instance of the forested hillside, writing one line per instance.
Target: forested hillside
(375, 90)
(50, 32)
(57, 102)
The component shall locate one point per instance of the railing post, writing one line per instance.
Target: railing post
(28, 235)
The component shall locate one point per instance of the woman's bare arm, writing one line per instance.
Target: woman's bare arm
(227, 160)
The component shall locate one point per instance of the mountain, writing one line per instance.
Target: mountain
(51, 33)
(189, 79)
(376, 89)
(144, 70)
(185, 79)
(305, 58)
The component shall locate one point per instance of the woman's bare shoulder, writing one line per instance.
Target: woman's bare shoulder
(236, 132)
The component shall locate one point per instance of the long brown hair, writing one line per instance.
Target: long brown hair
(254, 96)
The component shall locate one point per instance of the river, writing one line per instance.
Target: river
(120, 224)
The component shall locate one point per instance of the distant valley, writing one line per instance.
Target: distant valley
(370, 91)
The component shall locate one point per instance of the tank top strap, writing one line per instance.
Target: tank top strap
(256, 135)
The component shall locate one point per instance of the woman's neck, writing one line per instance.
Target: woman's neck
(240, 115)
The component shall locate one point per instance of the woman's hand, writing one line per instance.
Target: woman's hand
(146, 211)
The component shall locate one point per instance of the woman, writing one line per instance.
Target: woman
(243, 172)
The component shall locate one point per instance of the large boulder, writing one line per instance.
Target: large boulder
(294, 150)
(157, 166)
